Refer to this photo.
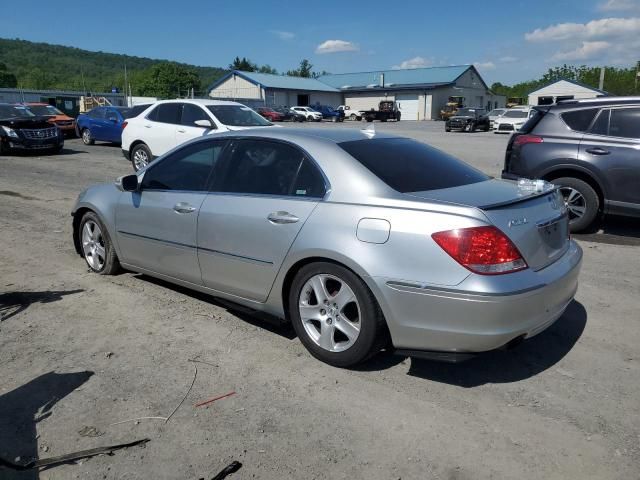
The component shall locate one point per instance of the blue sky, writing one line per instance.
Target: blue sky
(508, 41)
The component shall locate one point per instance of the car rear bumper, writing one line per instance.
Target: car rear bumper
(476, 317)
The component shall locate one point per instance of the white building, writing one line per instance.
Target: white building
(562, 90)
(420, 93)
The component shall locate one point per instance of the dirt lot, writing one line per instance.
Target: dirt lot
(79, 350)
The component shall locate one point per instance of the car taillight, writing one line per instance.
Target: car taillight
(124, 124)
(521, 140)
(483, 250)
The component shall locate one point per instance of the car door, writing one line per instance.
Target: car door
(159, 127)
(96, 123)
(112, 125)
(613, 145)
(157, 225)
(188, 130)
(247, 224)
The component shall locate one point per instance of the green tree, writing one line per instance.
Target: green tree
(305, 70)
(7, 79)
(243, 64)
(268, 69)
(167, 80)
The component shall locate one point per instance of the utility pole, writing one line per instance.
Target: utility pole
(601, 84)
(125, 86)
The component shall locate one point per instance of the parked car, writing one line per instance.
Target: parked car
(55, 116)
(288, 115)
(104, 124)
(309, 113)
(512, 120)
(169, 123)
(270, 114)
(350, 113)
(494, 115)
(328, 113)
(22, 130)
(361, 241)
(468, 120)
(387, 110)
(589, 148)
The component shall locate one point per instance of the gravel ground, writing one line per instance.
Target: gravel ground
(80, 352)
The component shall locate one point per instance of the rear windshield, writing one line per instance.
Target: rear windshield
(516, 114)
(534, 119)
(238, 116)
(134, 111)
(410, 166)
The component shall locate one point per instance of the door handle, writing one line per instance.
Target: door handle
(597, 151)
(147, 126)
(183, 207)
(181, 131)
(282, 217)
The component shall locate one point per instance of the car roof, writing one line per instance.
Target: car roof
(594, 102)
(199, 101)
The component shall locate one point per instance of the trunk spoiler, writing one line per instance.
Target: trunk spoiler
(521, 199)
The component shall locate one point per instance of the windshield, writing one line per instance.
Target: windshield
(44, 110)
(466, 112)
(410, 166)
(516, 114)
(238, 116)
(496, 112)
(10, 111)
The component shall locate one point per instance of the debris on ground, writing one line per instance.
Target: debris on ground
(90, 431)
(211, 400)
(226, 471)
(69, 457)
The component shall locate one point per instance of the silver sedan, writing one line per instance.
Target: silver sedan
(361, 240)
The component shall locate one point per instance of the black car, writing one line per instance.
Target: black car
(590, 148)
(288, 115)
(468, 120)
(22, 130)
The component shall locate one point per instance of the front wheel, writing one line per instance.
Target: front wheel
(335, 315)
(581, 200)
(140, 156)
(353, 117)
(96, 245)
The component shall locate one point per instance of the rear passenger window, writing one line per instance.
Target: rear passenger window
(167, 113)
(601, 125)
(191, 113)
(625, 122)
(579, 120)
(271, 168)
(96, 113)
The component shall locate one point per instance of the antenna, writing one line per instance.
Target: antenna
(370, 131)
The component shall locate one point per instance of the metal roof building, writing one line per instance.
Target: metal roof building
(420, 93)
(563, 90)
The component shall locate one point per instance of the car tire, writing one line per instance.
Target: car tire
(140, 156)
(335, 119)
(471, 127)
(582, 202)
(353, 117)
(87, 138)
(96, 246)
(346, 333)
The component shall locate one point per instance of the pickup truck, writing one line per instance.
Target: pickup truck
(350, 113)
(387, 110)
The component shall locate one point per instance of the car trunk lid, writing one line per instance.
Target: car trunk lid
(535, 221)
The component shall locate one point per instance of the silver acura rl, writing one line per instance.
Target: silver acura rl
(362, 240)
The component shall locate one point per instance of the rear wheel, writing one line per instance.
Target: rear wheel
(353, 117)
(581, 200)
(335, 315)
(87, 138)
(96, 245)
(140, 156)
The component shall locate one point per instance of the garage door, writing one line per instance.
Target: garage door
(363, 102)
(408, 104)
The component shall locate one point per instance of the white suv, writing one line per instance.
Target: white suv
(168, 123)
(309, 113)
(350, 113)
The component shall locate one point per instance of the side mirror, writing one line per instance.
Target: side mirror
(203, 123)
(128, 183)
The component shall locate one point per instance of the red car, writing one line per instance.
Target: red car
(270, 114)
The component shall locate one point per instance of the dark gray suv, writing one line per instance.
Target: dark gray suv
(590, 148)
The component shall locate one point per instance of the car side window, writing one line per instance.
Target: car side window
(625, 122)
(191, 113)
(601, 125)
(168, 113)
(579, 120)
(187, 169)
(271, 168)
(112, 115)
(96, 113)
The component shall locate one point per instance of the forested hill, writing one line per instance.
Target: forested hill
(46, 66)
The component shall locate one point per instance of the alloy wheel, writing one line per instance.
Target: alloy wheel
(93, 245)
(330, 312)
(140, 159)
(86, 136)
(574, 201)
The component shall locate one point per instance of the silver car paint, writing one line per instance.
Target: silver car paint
(430, 302)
